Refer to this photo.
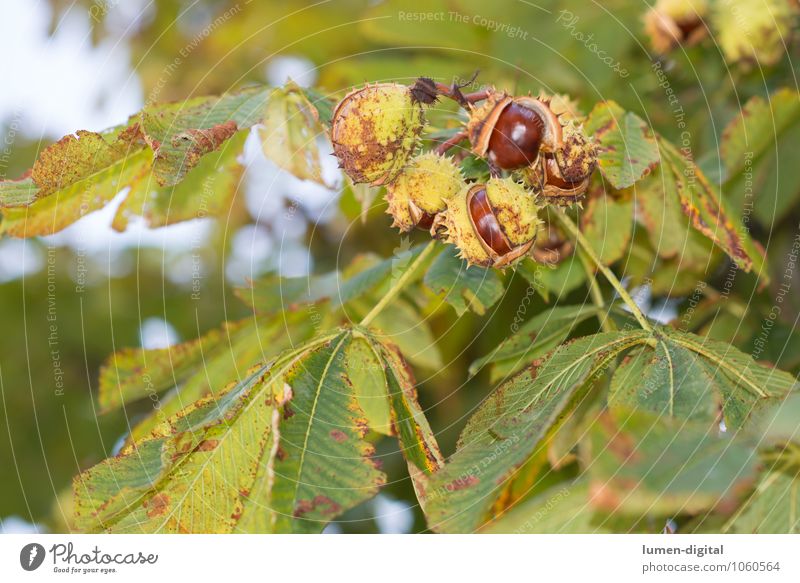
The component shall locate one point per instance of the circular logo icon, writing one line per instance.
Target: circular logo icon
(31, 556)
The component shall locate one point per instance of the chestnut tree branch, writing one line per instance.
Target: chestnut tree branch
(399, 284)
(606, 323)
(609, 275)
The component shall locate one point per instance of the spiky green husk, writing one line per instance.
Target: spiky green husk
(577, 158)
(375, 131)
(515, 209)
(426, 182)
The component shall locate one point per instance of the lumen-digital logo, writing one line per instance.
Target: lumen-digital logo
(31, 556)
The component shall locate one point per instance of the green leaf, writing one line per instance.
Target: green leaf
(151, 155)
(627, 148)
(708, 212)
(752, 147)
(533, 340)
(291, 129)
(563, 509)
(509, 425)
(473, 288)
(772, 508)
(688, 377)
(643, 465)
(658, 203)
(207, 190)
(53, 212)
(283, 450)
(568, 275)
(607, 223)
(180, 134)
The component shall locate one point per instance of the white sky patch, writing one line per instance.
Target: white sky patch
(19, 257)
(157, 333)
(63, 82)
(392, 516)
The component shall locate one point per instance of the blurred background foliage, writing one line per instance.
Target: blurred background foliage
(115, 290)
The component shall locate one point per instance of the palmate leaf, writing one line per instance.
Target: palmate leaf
(641, 464)
(627, 148)
(173, 378)
(348, 296)
(688, 377)
(282, 451)
(503, 433)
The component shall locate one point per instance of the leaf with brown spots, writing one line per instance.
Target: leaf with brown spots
(152, 155)
(283, 450)
(626, 146)
(708, 212)
(509, 426)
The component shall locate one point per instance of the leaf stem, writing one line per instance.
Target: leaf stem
(606, 323)
(398, 285)
(609, 275)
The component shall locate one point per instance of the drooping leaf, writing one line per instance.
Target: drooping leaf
(688, 377)
(49, 214)
(180, 134)
(283, 450)
(645, 465)
(708, 213)
(207, 190)
(473, 288)
(627, 148)
(509, 425)
(151, 155)
(290, 133)
(534, 339)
